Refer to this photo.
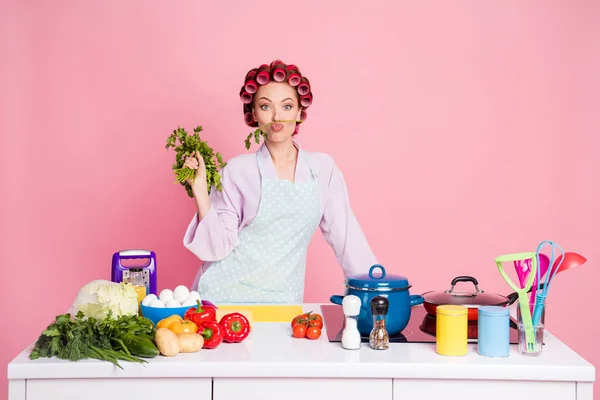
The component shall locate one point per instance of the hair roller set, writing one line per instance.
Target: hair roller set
(276, 71)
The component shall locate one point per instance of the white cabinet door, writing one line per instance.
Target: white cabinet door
(118, 389)
(301, 389)
(488, 390)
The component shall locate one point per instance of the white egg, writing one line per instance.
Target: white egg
(165, 295)
(149, 299)
(157, 303)
(190, 303)
(193, 296)
(181, 293)
(172, 303)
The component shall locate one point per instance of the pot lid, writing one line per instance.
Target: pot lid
(380, 281)
(474, 297)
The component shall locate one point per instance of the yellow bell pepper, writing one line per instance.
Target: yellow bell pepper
(177, 324)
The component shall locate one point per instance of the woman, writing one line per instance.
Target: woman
(253, 235)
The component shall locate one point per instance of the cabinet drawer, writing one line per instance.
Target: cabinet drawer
(301, 389)
(488, 390)
(117, 389)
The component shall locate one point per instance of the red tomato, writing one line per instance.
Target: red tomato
(316, 316)
(316, 323)
(299, 330)
(298, 319)
(313, 332)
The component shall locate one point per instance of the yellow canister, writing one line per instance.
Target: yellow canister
(451, 327)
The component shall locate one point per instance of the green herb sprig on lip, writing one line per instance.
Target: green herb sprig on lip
(188, 145)
(260, 131)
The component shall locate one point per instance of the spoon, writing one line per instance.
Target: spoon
(571, 261)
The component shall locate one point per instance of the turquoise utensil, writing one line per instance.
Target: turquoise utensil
(540, 297)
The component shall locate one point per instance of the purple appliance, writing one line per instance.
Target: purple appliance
(121, 273)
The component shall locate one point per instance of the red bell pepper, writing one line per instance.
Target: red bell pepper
(236, 327)
(200, 314)
(212, 333)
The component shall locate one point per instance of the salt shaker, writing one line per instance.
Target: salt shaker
(350, 335)
(379, 338)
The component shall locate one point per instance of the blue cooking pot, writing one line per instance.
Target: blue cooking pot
(393, 287)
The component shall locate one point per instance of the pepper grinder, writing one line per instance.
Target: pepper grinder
(379, 339)
(350, 335)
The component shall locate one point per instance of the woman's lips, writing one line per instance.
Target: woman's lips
(276, 127)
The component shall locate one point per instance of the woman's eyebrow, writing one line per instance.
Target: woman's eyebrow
(267, 99)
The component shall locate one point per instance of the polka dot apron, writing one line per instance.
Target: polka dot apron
(268, 265)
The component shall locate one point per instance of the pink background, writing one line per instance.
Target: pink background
(464, 131)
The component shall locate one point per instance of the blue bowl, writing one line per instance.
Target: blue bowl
(155, 314)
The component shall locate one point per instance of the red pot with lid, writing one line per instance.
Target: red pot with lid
(470, 299)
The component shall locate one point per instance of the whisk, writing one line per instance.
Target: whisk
(542, 293)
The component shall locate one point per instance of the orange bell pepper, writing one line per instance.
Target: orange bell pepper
(166, 322)
(177, 324)
(183, 326)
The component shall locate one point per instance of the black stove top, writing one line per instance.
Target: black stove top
(420, 328)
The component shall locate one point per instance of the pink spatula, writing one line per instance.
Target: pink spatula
(544, 264)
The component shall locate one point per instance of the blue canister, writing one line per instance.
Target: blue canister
(493, 331)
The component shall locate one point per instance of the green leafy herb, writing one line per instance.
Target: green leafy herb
(188, 145)
(77, 338)
(261, 131)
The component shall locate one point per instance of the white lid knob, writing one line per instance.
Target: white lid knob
(351, 305)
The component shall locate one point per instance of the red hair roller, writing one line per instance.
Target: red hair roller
(251, 73)
(303, 87)
(246, 97)
(263, 66)
(292, 67)
(248, 118)
(302, 115)
(263, 77)
(279, 74)
(276, 63)
(294, 79)
(306, 100)
(250, 86)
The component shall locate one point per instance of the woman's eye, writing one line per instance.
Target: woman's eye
(264, 107)
(287, 107)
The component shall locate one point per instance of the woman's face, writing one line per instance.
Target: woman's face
(277, 101)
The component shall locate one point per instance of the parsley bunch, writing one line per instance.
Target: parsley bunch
(76, 338)
(188, 145)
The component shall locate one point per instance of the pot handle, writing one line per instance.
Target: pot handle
(377, 266)
(336, 299)
(464, 279)
(416, 299)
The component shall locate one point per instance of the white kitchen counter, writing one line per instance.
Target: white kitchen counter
(274, 358)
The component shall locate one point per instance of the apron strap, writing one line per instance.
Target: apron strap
(313, 174)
